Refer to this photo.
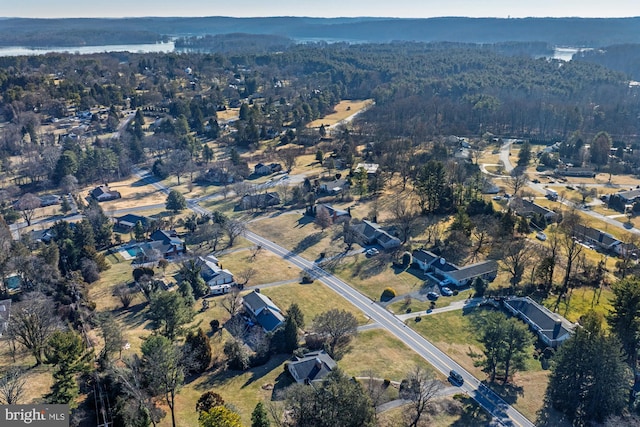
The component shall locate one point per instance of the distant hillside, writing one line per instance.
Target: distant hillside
(578, 32)
(623, 58)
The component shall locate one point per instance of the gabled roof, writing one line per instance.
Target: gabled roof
(529, 206)
(267, 314)
(366, 229)
(269, 319)
(210, 268)
(474, 270)
(312, 366)
(551, 325)
(335, 212)
(167, 236)
(424, 256)
(595, 235)
(133, 219)
(370, 168)
(628, 195)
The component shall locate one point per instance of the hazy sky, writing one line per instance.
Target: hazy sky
(322, 8)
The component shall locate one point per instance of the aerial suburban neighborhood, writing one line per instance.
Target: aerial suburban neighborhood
(261, 231)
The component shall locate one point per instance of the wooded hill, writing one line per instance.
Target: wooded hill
(579, 32)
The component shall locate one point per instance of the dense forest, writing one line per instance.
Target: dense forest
(578, 32)
(624, 58)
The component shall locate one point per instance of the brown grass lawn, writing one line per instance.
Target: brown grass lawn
(400, 307)
(134, 193)
(391, 358)
(270, 268)
(343, 110)
(372, 275)
(298, 234)
(39, 378)
(228, 114)
(453, 333)
(313, 299)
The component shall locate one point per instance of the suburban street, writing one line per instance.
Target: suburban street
(503, 413)
(540, 188)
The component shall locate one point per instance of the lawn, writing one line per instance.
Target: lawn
(341, 111)
(372, 275)
(313, 299)
(400, 307)
(454, 333)
(580, 301)
(391, 358)
(135, 192)
(269, 267)
(298, 234)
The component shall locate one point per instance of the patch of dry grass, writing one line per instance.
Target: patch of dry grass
(342, 111)
(269, 267)
(313, 299)
(360, 359)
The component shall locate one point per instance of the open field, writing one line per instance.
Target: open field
(454, 333)
(228, 114)
(343, 110)
(269, 267)
(135, 192)
(313, 299)
(299, 234)
(372, 275)
(391, 358)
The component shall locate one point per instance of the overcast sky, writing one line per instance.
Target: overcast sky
(320, 8)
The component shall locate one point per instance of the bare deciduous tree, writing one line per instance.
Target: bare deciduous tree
(32, 322)
(246, 275)
(232, 302)
(27, 205)
(420, 389)
(12, 386)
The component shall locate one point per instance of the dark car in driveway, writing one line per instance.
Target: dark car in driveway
(432, 296)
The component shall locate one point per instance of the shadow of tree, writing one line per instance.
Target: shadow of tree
(307, 242)
(373, 267)
(304, 220)
(472, 413)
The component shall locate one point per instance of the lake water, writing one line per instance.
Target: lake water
(136, 48)
(562, 53)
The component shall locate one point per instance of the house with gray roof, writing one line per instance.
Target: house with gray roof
(527, 209)
(5, 311)
(369, 233)
(259, 201)
(454, 274)
(128, 221)
(212, 273)
(263, 311)
(311, 367)
(170, 243)
(104, 193)
(487, 270)
(423, 259)
(599, 238)
(551, 328)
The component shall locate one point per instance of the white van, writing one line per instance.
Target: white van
(219, 289)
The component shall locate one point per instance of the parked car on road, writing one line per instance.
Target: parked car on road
(455, 377)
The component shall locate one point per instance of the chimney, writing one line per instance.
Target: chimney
(318, 363)
(556, 328)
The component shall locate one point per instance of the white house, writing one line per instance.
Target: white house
(212, 273)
